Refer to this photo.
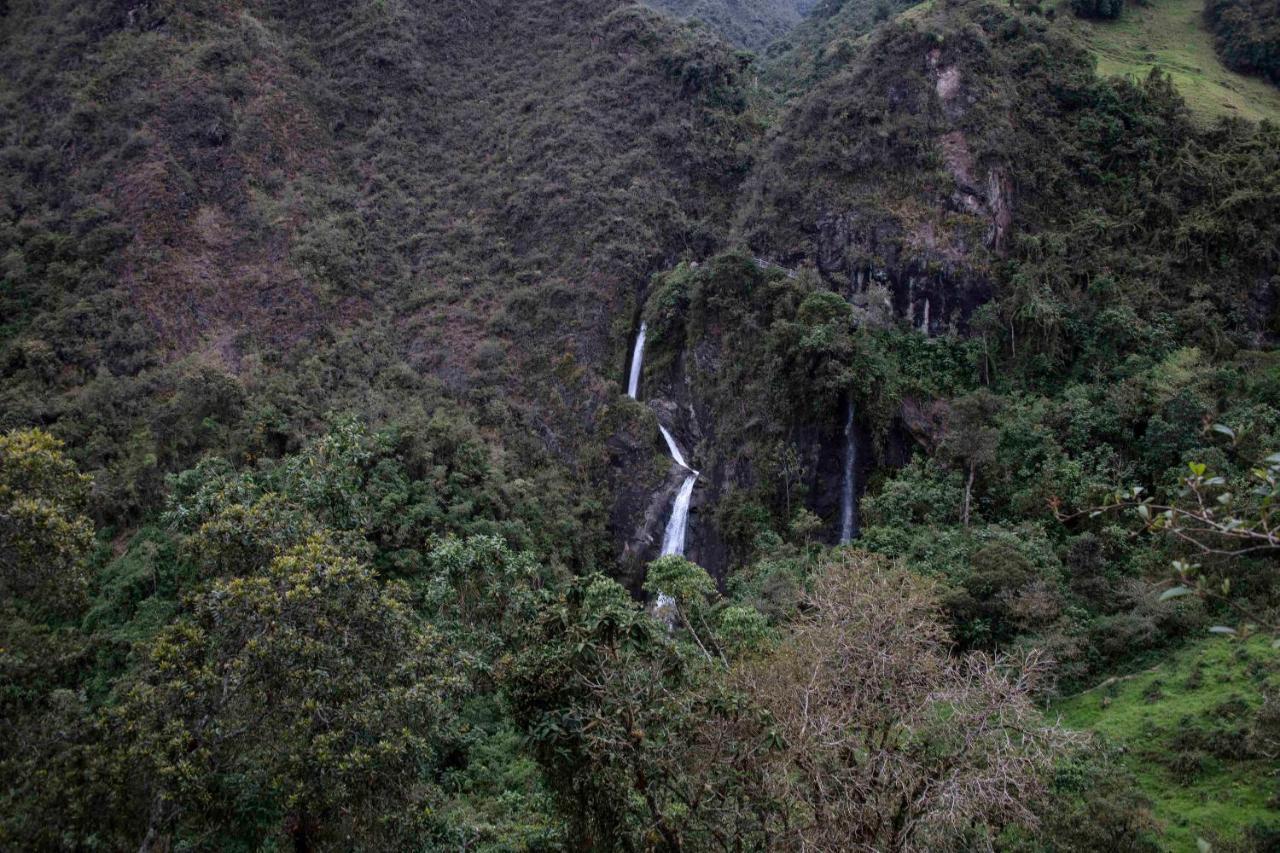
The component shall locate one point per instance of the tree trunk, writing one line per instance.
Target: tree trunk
(300, 831)
(156, 841)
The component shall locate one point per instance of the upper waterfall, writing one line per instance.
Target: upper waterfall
(637, 362)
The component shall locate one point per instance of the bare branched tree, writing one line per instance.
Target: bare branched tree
(890, 742)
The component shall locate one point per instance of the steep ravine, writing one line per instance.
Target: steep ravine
(673, 537)
(685, 513)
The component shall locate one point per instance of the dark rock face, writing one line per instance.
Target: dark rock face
(935, 262)
(924, 422)
(933, 288)
(895, 173)
(692, 424)
(640, 513)
(642, 492)
(1264, 311)
(822, 449)
(704, 544)
(639, 520)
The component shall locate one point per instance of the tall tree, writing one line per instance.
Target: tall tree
(296, 704)
(44, 534)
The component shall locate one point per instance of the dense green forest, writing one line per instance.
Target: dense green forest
(1248, 36)
(593, 425)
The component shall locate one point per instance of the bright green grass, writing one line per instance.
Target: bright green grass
(1227, 796)
(1171, 34)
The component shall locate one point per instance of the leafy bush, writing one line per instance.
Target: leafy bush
(44, 535)
(1106, 10)
(1247, 35)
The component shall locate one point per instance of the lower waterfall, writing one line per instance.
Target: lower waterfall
(673, 539)
(849, 486)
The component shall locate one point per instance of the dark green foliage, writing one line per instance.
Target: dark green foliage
(752, 24)
(1096, 805)
(222, 223)
(391, 494)
(44, 536)
(635, 735)
(826, 41)
(296, 702)
(1106, 10)
(1248, 35)
(259, 594)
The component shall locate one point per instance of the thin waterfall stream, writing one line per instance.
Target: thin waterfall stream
(673, 538)
(849, 485)
(637, 362)
(673, 448)
(678, 524)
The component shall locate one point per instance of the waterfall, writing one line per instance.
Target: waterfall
(637, 362)
(849, 488)
(675, 450)
(673, 539)
(678, 524)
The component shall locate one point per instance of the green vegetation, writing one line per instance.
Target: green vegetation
(1248, 35)
(827, 40)
(751, 24)
(1172, 35)
(1199, 732)
(325, 523)
(1107, 10)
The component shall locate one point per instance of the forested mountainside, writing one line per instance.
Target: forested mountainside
(570, 424)
(752, 24)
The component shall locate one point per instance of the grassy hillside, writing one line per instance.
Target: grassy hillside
(1171, 34)
(1193, 736)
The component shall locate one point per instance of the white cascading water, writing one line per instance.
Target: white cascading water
(849, 488)
(637, 362)
(675, 450)
(678, 524)
(673, 539)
